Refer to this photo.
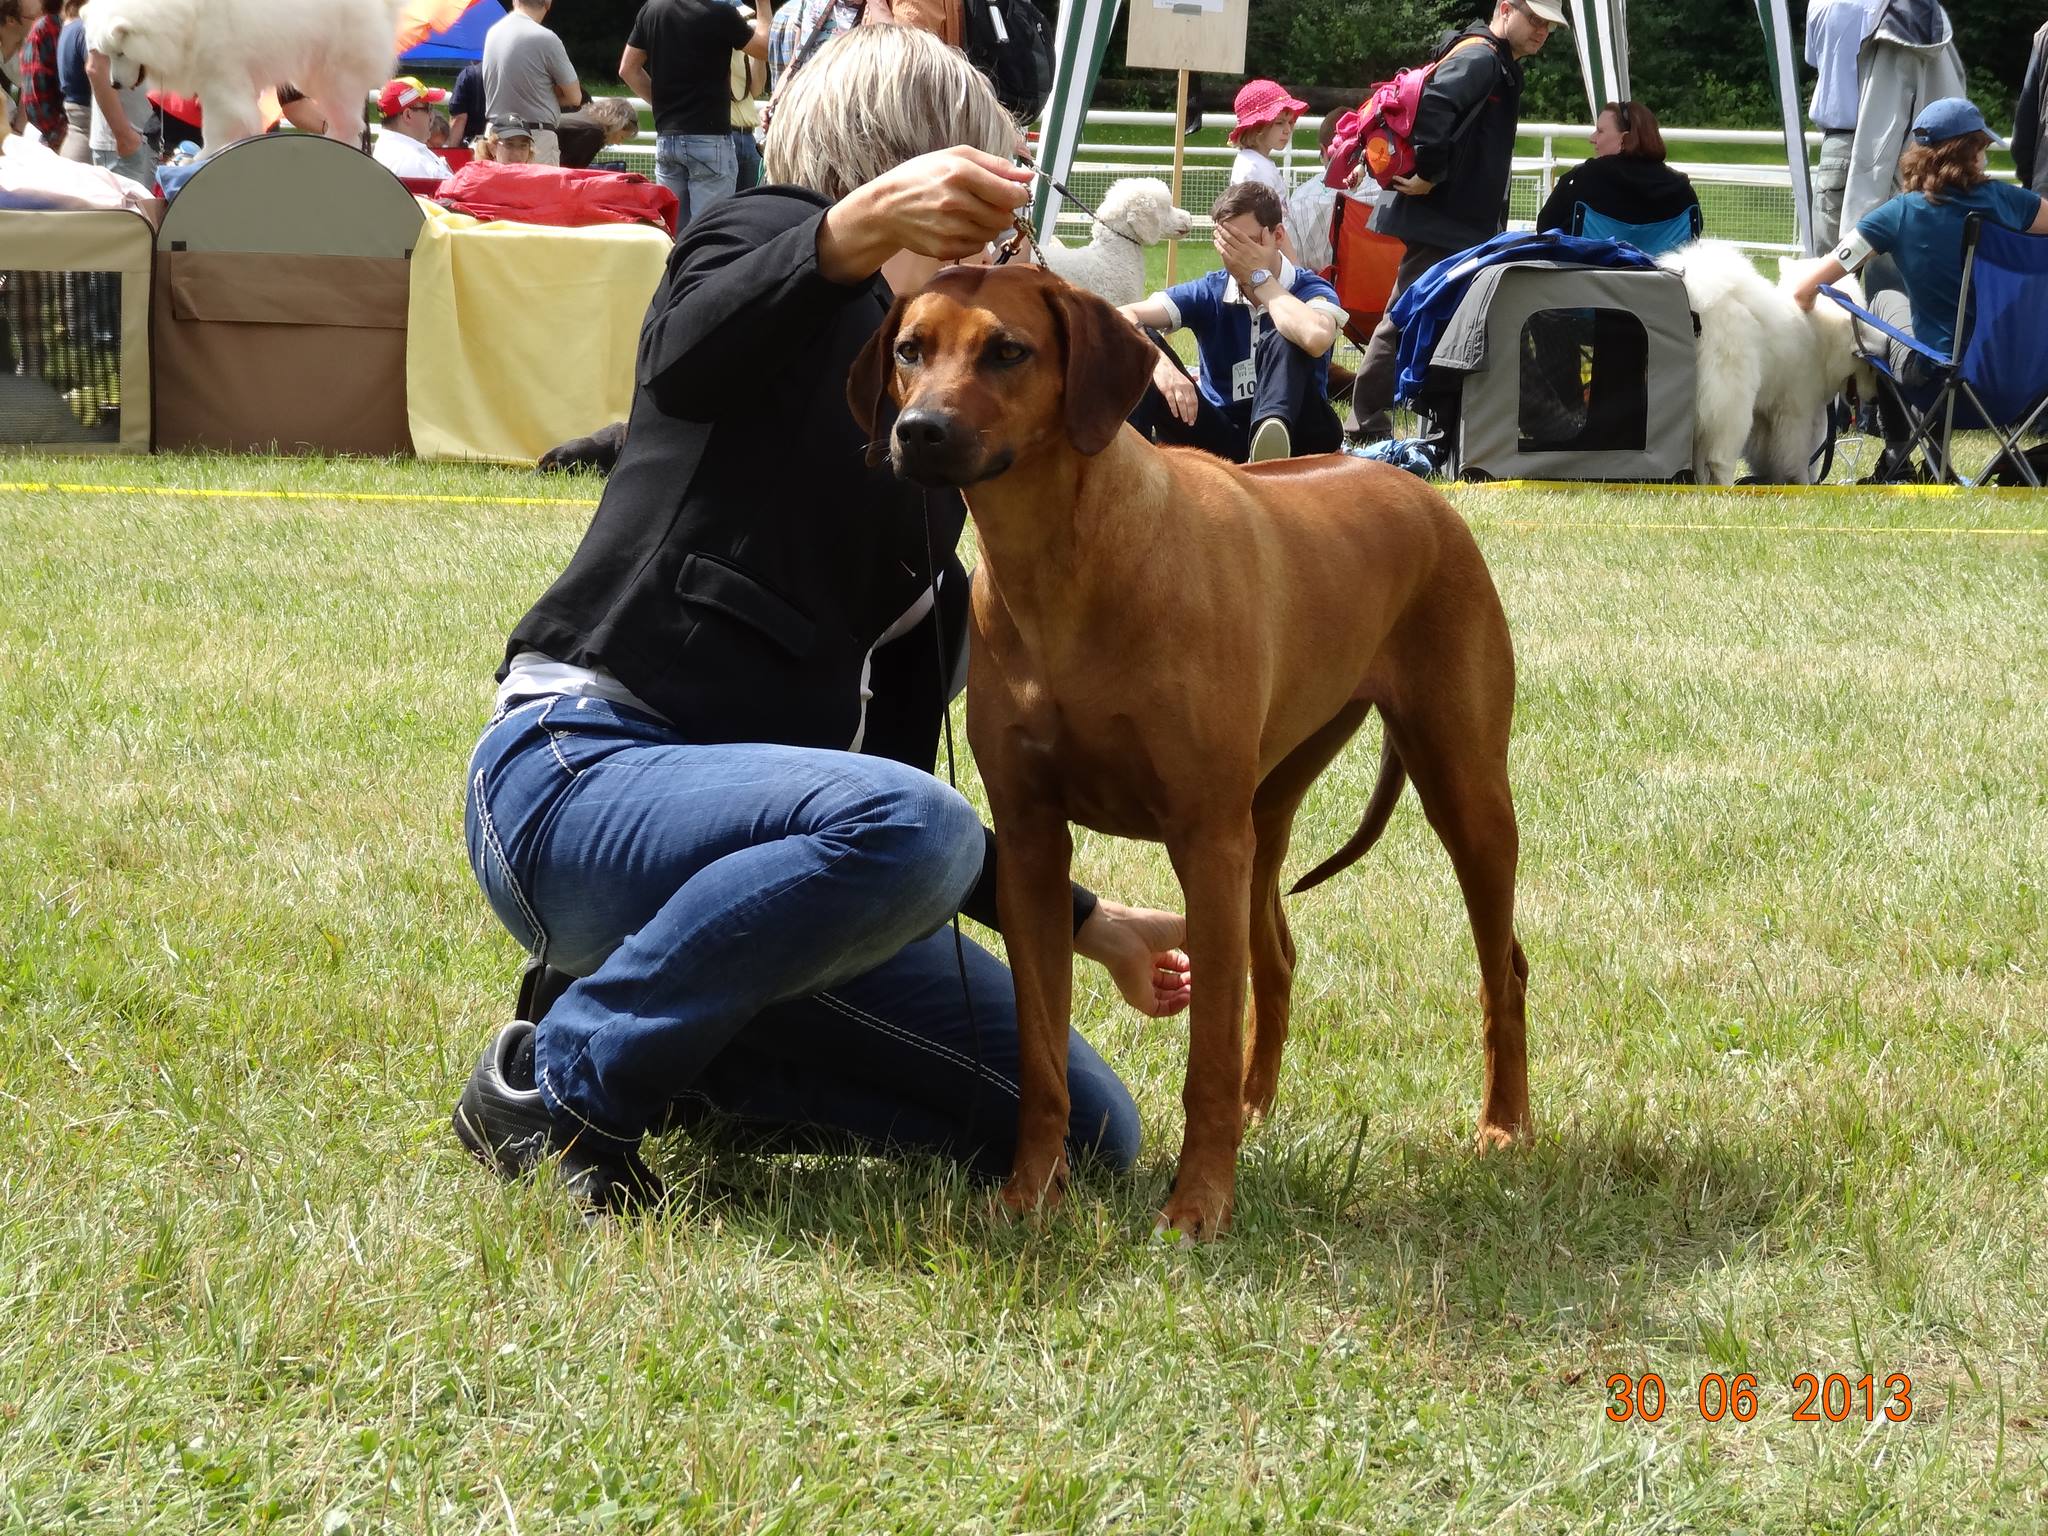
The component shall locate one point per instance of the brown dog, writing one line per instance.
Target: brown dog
(1170, 647)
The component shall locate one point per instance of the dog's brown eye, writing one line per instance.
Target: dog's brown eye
(906, 351)
(1011, 352)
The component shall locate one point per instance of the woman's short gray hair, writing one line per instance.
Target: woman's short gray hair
(875, 97)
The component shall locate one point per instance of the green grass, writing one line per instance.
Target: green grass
(1784, 829)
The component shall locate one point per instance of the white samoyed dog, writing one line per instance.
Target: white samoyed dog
(1767, 368)
(229, 52)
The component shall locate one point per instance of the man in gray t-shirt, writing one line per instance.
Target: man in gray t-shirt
(527, 75)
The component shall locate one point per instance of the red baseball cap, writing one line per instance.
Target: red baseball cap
(1259, 102)
(397, 95)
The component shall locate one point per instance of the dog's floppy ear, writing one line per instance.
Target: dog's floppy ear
(867, 384)
(1109, 363)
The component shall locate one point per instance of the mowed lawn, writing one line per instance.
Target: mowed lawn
(1784, 834)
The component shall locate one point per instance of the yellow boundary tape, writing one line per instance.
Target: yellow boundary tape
(229, 493)
(1793, 492)
(1866, 529)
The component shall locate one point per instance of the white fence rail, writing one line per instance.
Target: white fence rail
(1749, 204)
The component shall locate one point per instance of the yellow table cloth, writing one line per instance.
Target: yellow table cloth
(522, 336)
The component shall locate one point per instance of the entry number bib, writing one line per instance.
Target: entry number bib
(1244, 381)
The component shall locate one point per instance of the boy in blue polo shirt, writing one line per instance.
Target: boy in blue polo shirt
(1263, 328)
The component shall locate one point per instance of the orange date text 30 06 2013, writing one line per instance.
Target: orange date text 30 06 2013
(1815, 1398)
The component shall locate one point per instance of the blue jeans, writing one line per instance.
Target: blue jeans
(700, 168)
(758, 929)
(747, 155)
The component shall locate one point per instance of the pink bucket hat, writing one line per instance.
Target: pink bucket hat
(1259, 102)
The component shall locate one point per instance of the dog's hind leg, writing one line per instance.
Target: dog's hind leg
(1465, 794)
(1453, 738)
(1272, 946)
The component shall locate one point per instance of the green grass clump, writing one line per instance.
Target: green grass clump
(1778, 766)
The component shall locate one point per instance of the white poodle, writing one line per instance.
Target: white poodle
(1136, 213)
(1767, 369)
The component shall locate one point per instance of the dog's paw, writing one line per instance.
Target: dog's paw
(1259, 1096)
(1197, 1211)
(1496, 1137)
(1035, 1188)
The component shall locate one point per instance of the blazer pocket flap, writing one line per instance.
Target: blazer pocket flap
(707, 582)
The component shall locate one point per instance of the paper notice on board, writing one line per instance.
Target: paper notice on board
(1190, 7)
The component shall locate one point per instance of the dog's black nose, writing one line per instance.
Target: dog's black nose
(924, 429)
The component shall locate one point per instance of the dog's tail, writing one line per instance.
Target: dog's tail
(1381, 806)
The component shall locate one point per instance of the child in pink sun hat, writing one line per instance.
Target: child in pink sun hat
(1265, 122)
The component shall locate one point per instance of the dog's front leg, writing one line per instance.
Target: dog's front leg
(1034, 853)
(1214, 862)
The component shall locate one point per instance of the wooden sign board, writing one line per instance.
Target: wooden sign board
(1206, 36)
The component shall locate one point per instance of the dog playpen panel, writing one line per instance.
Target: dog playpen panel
(282, 279)
(74, 330)
(1550, 372)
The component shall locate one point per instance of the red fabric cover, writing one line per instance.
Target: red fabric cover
(1366, 264)
(553, 194)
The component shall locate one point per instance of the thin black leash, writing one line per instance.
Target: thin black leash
(1120, 234)
(1024, 226)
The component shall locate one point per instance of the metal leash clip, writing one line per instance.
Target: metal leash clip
(1016, 243)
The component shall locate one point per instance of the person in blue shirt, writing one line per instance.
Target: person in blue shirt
(73, 86)
(1263, 328)
(1944, 173)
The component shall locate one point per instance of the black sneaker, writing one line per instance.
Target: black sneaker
(1895, 468)
(501, 1119)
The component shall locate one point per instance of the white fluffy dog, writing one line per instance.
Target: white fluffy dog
(229, 52)
(1136, 213)
(1767, 369)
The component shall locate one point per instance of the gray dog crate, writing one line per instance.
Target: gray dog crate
(1555, 372)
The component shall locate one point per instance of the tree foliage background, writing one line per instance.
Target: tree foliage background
(1695, 62)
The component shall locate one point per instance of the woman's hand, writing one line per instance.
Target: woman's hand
(944, 205)
(1140, 948)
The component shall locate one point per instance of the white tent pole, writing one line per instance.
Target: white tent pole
(1600, 33)
(1777, 25)
(1079, 39)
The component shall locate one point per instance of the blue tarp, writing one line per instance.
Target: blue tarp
(457, 45)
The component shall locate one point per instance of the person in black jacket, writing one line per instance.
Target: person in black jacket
(1626, 179)
(706, 793)
(2030, 119)
(1464, 143)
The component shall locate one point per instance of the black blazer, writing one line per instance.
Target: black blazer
(745, 559)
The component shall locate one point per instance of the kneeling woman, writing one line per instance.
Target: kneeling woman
(1627, 179)
(1946, 178)
(706, 791)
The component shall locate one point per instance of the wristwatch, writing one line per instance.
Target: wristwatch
(1259, 278)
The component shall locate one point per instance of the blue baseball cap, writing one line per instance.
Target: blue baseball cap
(1950, 118)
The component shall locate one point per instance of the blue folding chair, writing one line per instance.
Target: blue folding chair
(1996, 379)
(1651, 239)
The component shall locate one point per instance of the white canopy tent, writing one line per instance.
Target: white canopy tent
(1600, 31)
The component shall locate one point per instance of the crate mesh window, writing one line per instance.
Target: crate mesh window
(60, 357)
(1583, 381)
